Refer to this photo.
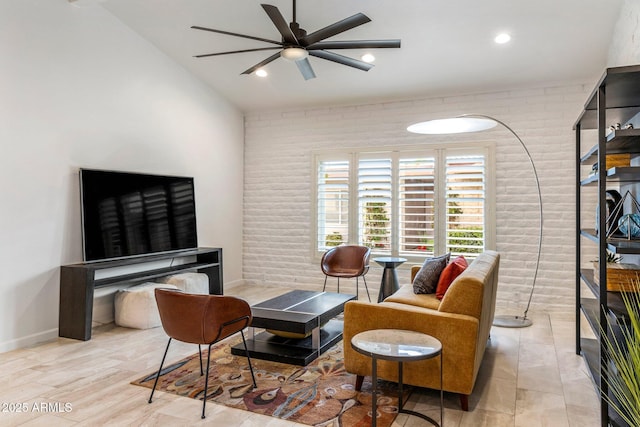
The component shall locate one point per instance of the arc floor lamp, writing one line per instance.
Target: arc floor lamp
(475, 123)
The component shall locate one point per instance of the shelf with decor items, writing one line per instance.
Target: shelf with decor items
(612, 111)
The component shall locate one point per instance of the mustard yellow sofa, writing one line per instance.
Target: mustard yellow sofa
(461, 321)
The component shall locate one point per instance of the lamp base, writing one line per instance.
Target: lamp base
(509, 321)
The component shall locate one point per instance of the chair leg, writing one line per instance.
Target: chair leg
(246, 351)
(200, 353)
(366, 287)
(338, 285)
(325, 283)
(357, 287)
(206, 381)
(155, 383)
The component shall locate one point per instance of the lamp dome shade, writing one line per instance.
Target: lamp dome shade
(452, 125)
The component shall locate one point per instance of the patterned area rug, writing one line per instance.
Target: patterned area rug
(319, 394)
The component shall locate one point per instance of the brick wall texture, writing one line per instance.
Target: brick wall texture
(278, 208)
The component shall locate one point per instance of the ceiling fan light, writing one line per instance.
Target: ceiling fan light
(368, 58)
(294, 53)
(261, 72)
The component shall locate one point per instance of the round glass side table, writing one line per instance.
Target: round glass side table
(400, 346)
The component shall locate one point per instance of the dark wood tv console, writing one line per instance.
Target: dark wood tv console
(77, 282)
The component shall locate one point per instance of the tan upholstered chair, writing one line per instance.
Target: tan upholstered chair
(346, 261)
(201, 319)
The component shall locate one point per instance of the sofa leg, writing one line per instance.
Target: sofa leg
(359, 380)
(464, 402)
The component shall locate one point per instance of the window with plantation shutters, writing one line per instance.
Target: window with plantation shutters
(465, 204)
(413, 203)
(416, 200)
(332, 203)
(375, 208)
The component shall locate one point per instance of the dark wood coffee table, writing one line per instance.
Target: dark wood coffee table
(307, 315)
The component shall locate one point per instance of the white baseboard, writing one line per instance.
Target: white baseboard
(29, 340)
(103, 313)
(233, 284)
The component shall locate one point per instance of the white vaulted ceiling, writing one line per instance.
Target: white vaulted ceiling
(447, 46)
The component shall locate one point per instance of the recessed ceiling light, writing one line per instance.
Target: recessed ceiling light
(85, 3)
(261, 73)
(367, 57)
(502, 38)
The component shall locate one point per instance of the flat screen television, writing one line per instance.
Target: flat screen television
(127, 214)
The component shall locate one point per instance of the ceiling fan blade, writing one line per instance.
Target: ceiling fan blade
(195, 27)
(280, 23)
(341, 59)
(356, 44)
(235, 51)
(305, 68)
(262, 63)
(336, 28)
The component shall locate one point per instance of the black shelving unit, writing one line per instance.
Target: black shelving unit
(615, 99)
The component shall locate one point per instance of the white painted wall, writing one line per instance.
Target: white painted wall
(278, 204)
(278, 181)
(625, 46)
(80, 89)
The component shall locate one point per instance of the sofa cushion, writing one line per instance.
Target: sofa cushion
(405, 295)
(449, 274)
(427, 278)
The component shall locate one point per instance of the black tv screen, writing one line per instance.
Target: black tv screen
(128, 214)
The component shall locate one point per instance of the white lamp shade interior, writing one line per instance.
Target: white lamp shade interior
(452, 125)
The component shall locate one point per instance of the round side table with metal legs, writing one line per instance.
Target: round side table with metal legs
(398, 346)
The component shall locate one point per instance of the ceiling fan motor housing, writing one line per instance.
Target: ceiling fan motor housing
(297, 31)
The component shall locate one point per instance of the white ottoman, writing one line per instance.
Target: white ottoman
(192, 283)
(135, 307)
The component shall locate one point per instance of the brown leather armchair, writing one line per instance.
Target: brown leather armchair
(201, 319)
(346, 261)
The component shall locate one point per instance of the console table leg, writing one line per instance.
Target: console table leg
(76, 303)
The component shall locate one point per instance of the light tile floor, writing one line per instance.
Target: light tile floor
(530, 377)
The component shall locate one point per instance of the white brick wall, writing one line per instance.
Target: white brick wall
(277, 197)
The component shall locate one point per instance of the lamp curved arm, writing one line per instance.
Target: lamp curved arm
(541, 219)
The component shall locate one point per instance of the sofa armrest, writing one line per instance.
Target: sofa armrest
(464, 296)
(457, 333)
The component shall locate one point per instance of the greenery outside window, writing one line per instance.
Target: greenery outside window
(411, 203)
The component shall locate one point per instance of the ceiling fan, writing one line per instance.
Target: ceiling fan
(296, 45)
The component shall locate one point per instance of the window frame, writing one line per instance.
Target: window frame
(439, 151)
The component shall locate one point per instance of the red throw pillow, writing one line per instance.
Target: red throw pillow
(449, 274)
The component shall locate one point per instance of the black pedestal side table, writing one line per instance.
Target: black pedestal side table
(398, 346)
(389, 276)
